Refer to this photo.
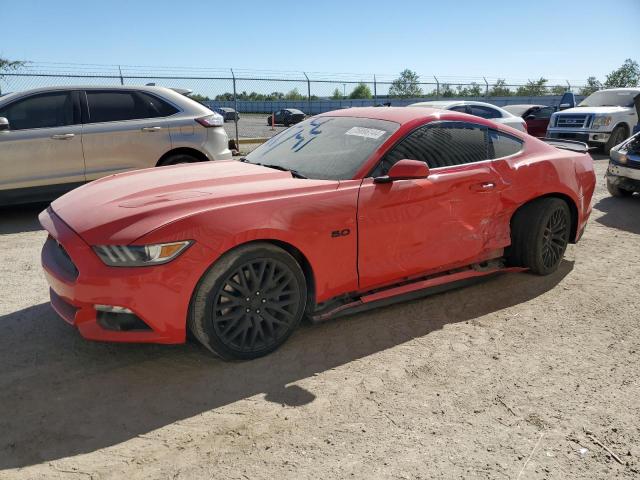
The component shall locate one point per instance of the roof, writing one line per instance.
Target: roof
(392, 114)
(144, 88)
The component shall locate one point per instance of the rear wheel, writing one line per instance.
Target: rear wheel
(616, 191)
(249, 302)
(177, 158)
(540, 233)
(618, 135)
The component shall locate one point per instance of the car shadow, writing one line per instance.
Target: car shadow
(21, 218)
(61, 395)
(620, 213)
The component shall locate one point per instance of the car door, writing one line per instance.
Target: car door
(278, 116)
(410, 228)
(124, 130)
(42, 149)
(538, 120)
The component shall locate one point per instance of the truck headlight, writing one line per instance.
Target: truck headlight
(601, 121)
(140, 255)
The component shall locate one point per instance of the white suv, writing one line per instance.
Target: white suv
(54, 139)
(605, 118)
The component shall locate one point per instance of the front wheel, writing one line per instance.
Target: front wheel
(618, 135)
(249, 302)
(540, 232)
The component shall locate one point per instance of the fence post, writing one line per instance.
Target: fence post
(235, 107)
(437, 87)
(308, 92)
(486, 88)
(375, 91)
(121, 79)
(568, 85)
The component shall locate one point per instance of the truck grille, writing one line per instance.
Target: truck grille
(574, 121)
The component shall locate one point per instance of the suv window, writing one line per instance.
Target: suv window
(485, 112)
(543, 113)
(442, 144)
(502, 145)
(45, 110)
(112, 106)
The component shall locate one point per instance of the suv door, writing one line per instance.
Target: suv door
(124, 130)
(538, 121)
(43, 148)
(410, 228)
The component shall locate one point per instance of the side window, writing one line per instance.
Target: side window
(46, 110)
(111, 106)
(443, 144)
(502, 145)
(459, 108)
(485, 112)
(156, 107)
(543, 113)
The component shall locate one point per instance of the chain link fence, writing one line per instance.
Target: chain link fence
(257, 95)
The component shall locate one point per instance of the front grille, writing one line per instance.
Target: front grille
(581, 137)
(56, 254)
(573, 121)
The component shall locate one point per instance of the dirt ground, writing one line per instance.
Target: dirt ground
(498, 380)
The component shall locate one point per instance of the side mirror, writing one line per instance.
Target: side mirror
(4, 124)
(530, 117)
(405, 170)
(564, 106)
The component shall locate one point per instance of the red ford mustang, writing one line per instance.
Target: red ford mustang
(343, 211)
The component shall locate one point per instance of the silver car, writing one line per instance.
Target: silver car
(54, 139)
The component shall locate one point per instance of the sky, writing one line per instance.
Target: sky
(461, 38)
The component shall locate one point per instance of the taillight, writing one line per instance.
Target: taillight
(209, 121)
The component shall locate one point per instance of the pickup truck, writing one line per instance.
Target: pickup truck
(605, 118)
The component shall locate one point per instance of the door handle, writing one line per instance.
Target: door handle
(63, 136)
(483, 187)
(151, 129)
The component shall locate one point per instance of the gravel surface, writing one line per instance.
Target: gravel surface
(498, 380)
(252, 125)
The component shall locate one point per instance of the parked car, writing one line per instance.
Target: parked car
(535, 116)
(623, 173)
(228, 113)
(54, 139)
(605, 118)
(360, 207)
(286, 117)
(479, 109)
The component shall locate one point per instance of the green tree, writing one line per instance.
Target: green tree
(446, 90)
(533, 88)
(406, 85)
(361, 91)
(628, 75)
(593, 85)
(294, 95)
(199, 98)
(472, 90)
(337, 94)
(500, 89)
(9, 65)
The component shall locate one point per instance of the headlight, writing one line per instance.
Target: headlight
(618, 156)
(139, 255)
(601, 121)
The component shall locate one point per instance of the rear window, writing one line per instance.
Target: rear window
(112, 106)
(502, 145)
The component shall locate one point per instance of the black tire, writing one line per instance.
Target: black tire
(540, 233)
(286, 123)
(269, 121)
(618, 135)
(177, 158)
(616, 191)
(249, 302)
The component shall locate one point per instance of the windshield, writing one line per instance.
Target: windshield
(605, 98)
(327, 148)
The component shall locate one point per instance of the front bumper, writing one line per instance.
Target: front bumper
(624, 177)
(580, 135)
(78, 280)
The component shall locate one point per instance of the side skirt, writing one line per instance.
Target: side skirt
(408, 291)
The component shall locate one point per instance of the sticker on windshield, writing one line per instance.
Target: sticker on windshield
(365, 132)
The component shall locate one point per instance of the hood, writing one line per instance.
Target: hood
(596, 110)
(120, 208)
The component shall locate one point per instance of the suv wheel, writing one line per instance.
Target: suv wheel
(618, 135)
(177, 158)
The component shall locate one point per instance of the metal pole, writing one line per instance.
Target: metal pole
(375, 91)
(486, 88)
(308, 92)
(121, 79)
(235, 107)
(437, 87)
(569, 85)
